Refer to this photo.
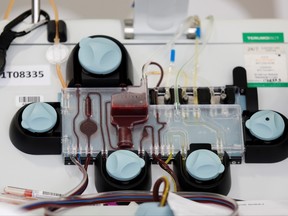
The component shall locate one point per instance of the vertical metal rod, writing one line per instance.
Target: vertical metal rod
(35, 11)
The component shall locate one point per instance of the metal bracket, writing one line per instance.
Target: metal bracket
(130, 34)
(128, 29)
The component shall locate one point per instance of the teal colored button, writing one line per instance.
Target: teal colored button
(99, 55)
(124, 165)
(39, 117)
(266, 125)
(204, 165)
(153, 208)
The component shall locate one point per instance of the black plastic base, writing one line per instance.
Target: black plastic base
(220, 185)
(68, 161)
(36, 143)
(79, 77)
(106, 183)
(259, 151)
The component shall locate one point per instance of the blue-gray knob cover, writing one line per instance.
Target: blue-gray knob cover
(39, 117)
(124, 165)
(266, 125)
(204, 165)
(99, 55)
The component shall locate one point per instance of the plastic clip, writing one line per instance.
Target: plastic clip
(8, 35)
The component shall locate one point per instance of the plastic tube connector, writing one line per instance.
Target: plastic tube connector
(172, 55)
(198, 32)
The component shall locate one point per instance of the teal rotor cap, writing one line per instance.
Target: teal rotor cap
(204, 165)
(99, 55)
(39, 117)
(266, 125)
(124, 165)
(153, 208)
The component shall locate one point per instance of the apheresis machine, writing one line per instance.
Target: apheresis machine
(163, 114)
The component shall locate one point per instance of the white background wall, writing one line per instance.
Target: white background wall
(120, 9)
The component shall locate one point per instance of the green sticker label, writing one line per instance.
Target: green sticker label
(275, 37)
(255, 85)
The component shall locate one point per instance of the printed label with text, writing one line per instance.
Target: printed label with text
(265, 59)
(26, 75)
